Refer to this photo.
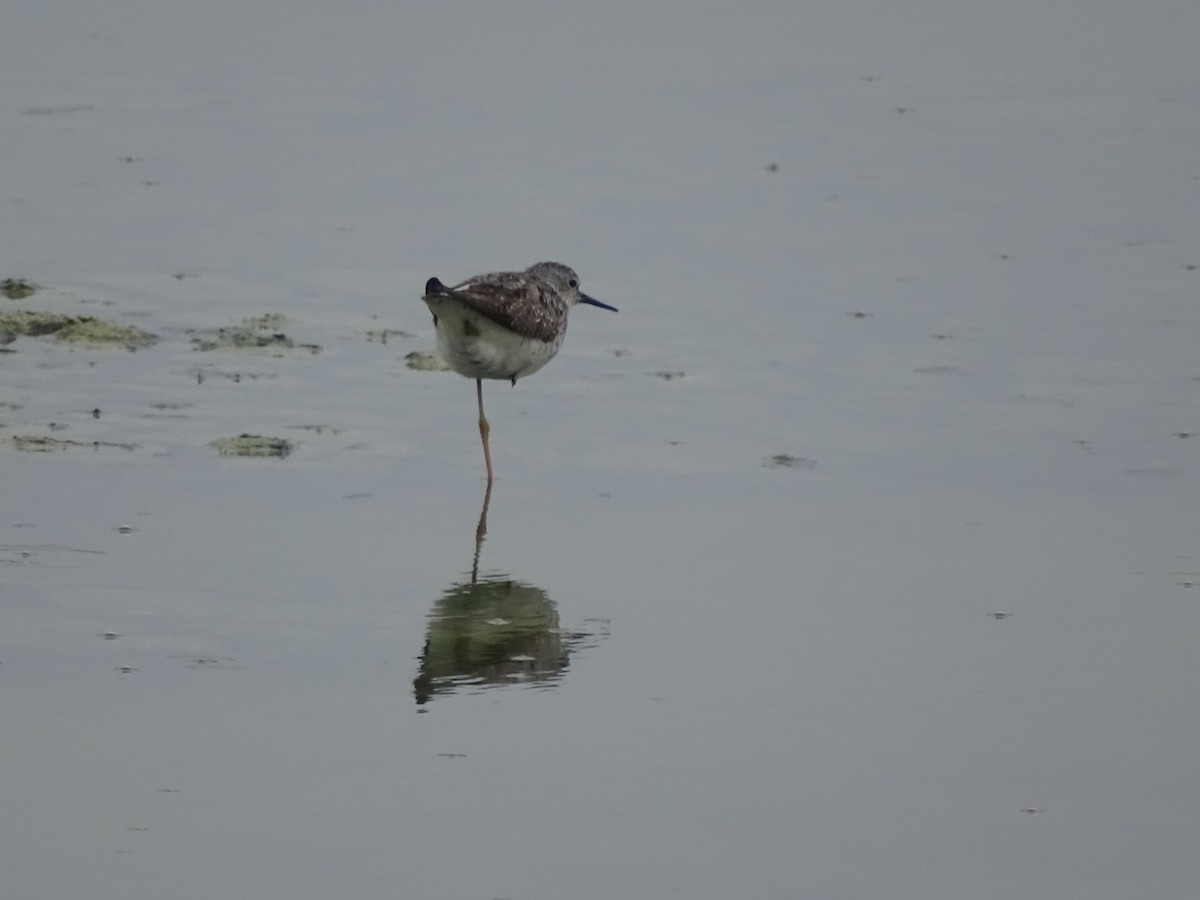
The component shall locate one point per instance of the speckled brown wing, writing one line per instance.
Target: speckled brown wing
(514, 301)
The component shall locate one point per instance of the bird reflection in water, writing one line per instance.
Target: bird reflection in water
(491, 630)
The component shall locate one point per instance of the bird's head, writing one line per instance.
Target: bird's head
(564, 280)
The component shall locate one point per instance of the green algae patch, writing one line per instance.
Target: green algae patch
(32, 443)
(96, 332)
(256, 334)
(85, 330)
(36, 443)
(426, 361)
(252, 445)
(18, 288)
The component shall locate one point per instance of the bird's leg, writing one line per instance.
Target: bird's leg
(480, 533)
(484, 429)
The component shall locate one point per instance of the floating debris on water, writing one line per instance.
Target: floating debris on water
(383, 334)
(17, 288)
(260, 334)
(201, 373)
(252, 445)
(787, 461)
(34, 443)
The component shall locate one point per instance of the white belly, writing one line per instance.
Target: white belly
(477, 347)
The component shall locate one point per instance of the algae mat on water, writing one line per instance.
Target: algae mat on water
(258, 334)
(17, 288)
(85, 330)
(252, 445)
(33, 443)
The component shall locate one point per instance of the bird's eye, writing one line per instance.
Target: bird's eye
(573, 283)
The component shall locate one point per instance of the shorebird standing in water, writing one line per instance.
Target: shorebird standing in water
(504, 325)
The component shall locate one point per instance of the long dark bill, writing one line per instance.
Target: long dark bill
(592, 301)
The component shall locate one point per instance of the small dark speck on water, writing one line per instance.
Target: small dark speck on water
(787, 461)
(772, 167)
(668, 376)
(859, 314)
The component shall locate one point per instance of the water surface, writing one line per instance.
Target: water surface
(855, 558)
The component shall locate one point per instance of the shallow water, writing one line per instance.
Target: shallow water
(855, 558)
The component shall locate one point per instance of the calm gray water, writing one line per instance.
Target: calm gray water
(854, 559)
